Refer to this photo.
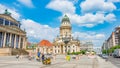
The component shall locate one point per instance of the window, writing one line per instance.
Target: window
(13, 24)
(55, 51)
(6, 22)
(1, 21)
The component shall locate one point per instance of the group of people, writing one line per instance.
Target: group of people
(39, 56)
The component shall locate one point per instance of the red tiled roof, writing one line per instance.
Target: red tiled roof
(44, 43)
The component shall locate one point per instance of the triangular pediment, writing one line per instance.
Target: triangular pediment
(9, 18)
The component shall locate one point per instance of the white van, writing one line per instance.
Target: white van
(116, 53)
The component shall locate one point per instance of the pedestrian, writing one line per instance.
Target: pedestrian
(17, 56)
(54, 57)
(30, 56)
(21, 56)
(68, 57)
(38, 54)
(43, 58)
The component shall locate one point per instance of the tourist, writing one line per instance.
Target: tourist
(38, 54)
(17, 56)
(21, 56)
(43, 57)
(68, 57)
(54, 56)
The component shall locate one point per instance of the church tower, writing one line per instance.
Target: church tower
(65, 28)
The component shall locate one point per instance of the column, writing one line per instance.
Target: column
(10, 40)
(4, 41)
(15, 42)
(3, 21)
(9, 23)
(19, 41)
(23, 45)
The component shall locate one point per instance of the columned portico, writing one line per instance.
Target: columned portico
(11, 35)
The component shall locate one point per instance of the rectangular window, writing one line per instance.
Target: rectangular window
(1, 21)
(55, 51)
(6, 22)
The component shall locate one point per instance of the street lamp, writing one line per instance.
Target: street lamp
(66, 39)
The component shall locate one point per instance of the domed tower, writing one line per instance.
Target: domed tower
(65, 28)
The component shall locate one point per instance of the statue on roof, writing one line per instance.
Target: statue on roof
(6, 12)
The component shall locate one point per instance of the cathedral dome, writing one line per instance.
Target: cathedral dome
(65, 18)
(45, 43)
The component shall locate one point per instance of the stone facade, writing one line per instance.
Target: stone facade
(64, 42)
(11, 35)
(86, 45)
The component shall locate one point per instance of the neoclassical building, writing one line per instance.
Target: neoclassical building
(45, 47)
(11, 35)
(64, 42)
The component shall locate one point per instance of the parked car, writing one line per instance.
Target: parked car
(104, 56)
(116, 53)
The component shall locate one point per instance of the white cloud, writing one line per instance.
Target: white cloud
(13, 12)
(96, 38)
(100, 7)
(113, 0)
(96, 6)
(63, 6)
(27, 3)
(90, 20)
(36, 31)
(110, 17)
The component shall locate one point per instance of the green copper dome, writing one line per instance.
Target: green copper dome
(65, 18)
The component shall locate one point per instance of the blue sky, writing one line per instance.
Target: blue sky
(91, 19)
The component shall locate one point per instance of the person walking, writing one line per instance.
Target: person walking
(38, 56)
(68, 57)
(43, 58)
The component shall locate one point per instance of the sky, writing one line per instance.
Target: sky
(92, 20)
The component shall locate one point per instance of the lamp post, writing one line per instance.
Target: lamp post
(66, 39)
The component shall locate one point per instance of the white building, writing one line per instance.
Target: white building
(64, 42)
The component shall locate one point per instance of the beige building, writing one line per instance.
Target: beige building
(86, 45)
(11, 36)
(64, 42)
(44, 47)
(113, 40)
